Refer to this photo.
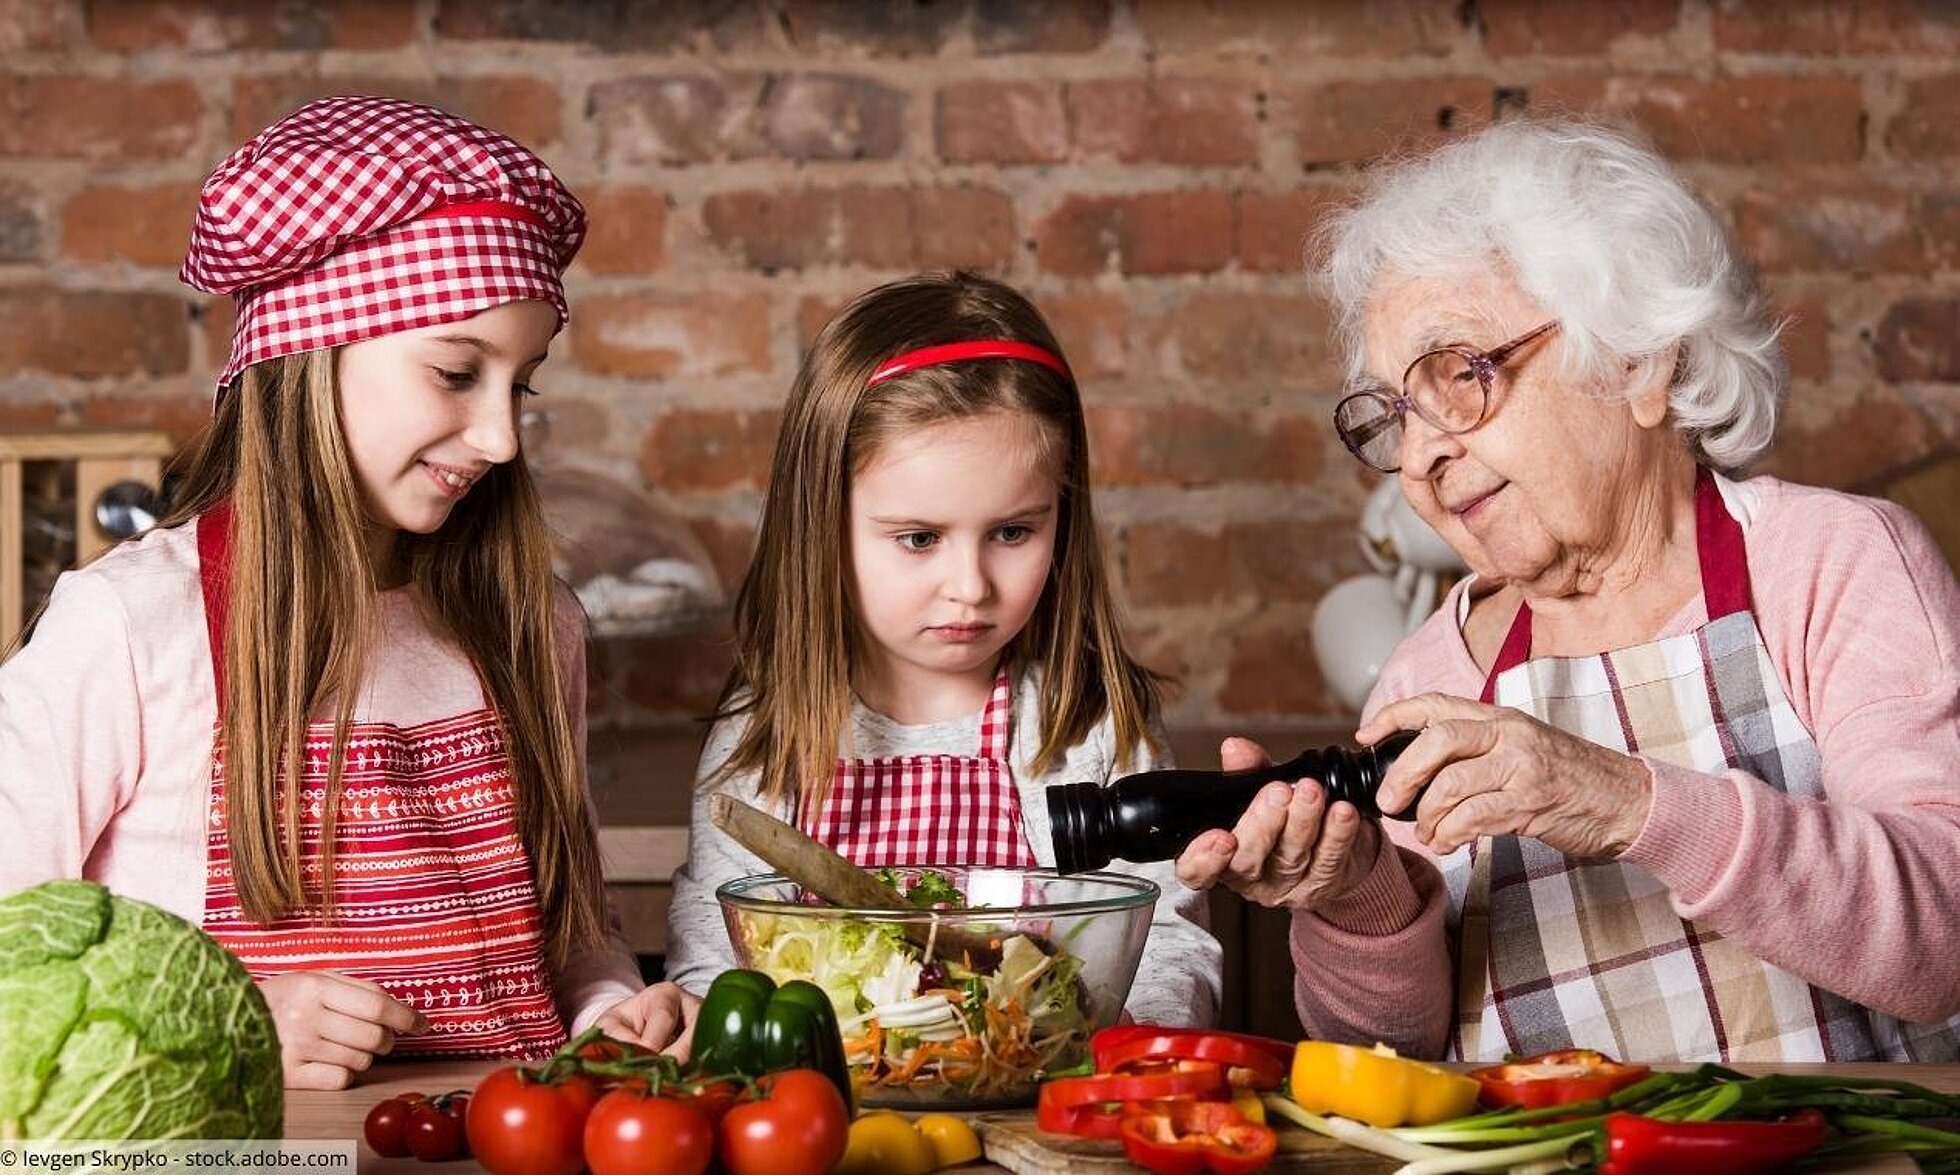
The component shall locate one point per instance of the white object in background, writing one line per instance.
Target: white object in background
(1356, 625)
(1398, 543)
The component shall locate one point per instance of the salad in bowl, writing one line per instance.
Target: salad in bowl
(989, 979)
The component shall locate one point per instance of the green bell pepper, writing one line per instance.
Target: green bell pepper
(749, 1026)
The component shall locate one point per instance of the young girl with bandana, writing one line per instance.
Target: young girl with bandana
(926, 638)
(332, 709)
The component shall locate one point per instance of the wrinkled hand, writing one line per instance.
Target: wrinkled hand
(1492, 770)
(659, 1017)
(1287, 849)
(332, 1026)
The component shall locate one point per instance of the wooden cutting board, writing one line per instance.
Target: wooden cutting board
(1012, 1141)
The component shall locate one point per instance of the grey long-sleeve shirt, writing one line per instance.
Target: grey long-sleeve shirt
(1178, 979)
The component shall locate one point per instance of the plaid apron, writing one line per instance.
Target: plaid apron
(930, 809)
(1556, 953)
(433, 894)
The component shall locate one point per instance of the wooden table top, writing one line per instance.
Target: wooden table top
(338, 1115)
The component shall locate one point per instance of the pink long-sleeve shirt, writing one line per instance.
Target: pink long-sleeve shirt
(105, 736)
(1859, 894)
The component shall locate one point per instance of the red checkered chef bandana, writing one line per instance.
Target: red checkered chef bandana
(357, 217)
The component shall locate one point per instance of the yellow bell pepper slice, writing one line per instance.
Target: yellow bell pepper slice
(1376, 1086)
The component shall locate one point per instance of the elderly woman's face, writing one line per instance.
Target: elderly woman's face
(1543, 492)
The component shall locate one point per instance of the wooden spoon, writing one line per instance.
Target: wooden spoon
(832, 877)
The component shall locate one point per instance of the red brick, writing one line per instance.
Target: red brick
(87, 333)
(36, 24)
(1292, 31)
(670, 25)
(1349, 122)
(849, 28)
(709, 449)
(1191, 121)
(1783, 120)
(1167, 564)
(70, 117)
(628, 229)
(1263, 561)
(813, 313)
(1093, 330)
(1268, 340)
(831, 116)
(1939, 225)
(1806, 336)
(29, 415)
(677, 119)
(181, 416)
(1001, 122)
(1928, 127)
(669, 333)
(1197, 445)
(1559, 28)
(145, 226)
(1273, 672)
(525, 108)
(1846, 436)
(1892, 27)
(963, 227)
(730, 547)
(206, 26)
(776, 228)
(878, 227)
(1040, 26)
(562, 424)
(677, 674)
(1832, 227)
(1149, 233)
(214, 317)
(1919, 339)
(1274, 227)
(20, 222)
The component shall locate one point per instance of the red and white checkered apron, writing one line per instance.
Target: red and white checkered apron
(433, 894)
(931, 809)
(1562, 954)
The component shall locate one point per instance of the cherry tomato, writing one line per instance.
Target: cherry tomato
(434, 1134)
(799, 1126)
(715, 1099)
(383, 1128)
(629, 1133)
(518, 1125)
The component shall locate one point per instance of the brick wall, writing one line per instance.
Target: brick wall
(1146, 168)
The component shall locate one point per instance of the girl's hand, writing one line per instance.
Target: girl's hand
(1492, 770)
(1287, 849)
(660, 1017)
(332, 1026)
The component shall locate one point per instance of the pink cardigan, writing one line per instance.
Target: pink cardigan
(1860, 895)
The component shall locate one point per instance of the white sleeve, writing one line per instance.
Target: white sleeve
(698, 948)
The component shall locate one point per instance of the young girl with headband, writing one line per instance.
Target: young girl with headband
(332, 709)
(926, 638)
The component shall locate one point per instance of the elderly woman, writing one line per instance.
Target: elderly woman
(1688, 779)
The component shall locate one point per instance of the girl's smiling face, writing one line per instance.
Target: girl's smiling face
(427, 412)
(952, 537)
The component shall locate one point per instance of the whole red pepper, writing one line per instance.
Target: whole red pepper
(1188, 1138)
(1637, 1145)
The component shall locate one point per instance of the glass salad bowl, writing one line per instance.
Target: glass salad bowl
(995, 978)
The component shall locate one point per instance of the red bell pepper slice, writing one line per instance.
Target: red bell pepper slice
(1188, 1138)
(1092, 1107)
(1257, 1062)
(1554, 1079)
(1637, 1145)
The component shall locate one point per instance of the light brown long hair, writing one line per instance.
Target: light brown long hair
(303, 615)
(797, 637)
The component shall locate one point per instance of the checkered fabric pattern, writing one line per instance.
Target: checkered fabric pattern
(357, 217)
(1562, 954)
(931, 809)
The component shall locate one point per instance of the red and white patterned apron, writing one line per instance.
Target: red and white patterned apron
(928, 810)
(433, 892)
(1556, 953)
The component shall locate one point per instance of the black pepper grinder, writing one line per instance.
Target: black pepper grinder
(1152, 815)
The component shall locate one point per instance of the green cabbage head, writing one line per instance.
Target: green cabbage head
(121, 1021)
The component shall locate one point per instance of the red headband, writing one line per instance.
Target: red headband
(976, 349)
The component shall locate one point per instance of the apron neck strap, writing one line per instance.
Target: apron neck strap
(1724, 577)
(997, 720)
(214, 579)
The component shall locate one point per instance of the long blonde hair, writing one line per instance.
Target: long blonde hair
(303, 614)
(796, 632)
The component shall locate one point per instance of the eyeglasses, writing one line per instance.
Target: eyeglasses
(1448, 387)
